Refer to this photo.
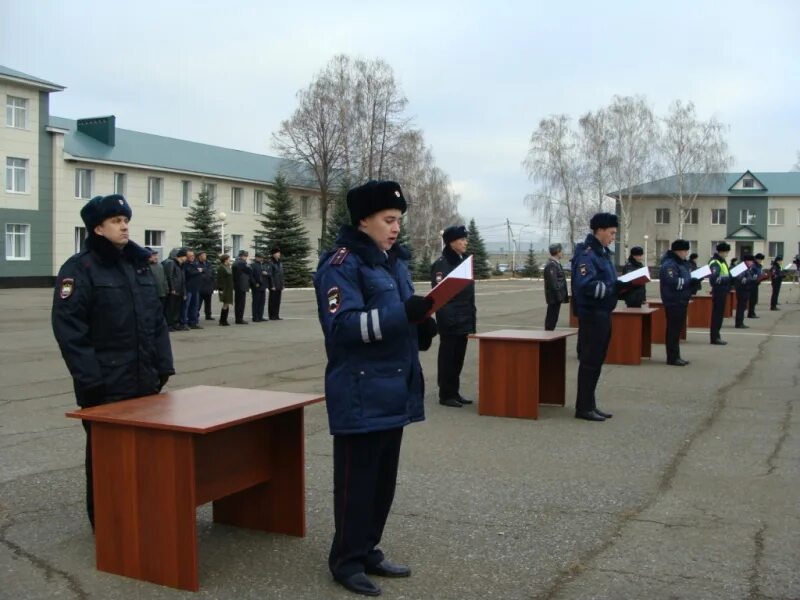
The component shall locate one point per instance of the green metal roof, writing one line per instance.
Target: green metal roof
(159, 152)
(35, 81)
(776, 184)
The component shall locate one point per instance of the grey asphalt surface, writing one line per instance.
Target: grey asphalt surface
(690, 491)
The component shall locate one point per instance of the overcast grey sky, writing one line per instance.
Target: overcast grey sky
(478, 75)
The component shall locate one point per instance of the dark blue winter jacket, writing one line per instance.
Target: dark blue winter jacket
(675, 280)
(594, 278)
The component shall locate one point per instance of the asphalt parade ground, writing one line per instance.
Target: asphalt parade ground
(691, 491)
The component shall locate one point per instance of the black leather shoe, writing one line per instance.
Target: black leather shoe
(386, 568)
(678, 362)
(454, 402)
(463, 400)
(242, 322)
(589, 415)
(359, 583)
(742, 326)
(719, 343)
(752, 316)
(605, 415)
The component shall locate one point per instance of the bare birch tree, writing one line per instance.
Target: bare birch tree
(552, 162)
(595, 152)
(695, 152)
(632, 136)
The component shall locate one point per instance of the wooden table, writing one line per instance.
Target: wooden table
(519, 370)
(658, 322)
(157, 458)
(730, 304)
(699, 313)
(631, 336)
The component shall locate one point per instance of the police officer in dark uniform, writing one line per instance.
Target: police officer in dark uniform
(373, 380)
(595, 289)
(258, 287)
(241, 285)
(555, 287)
(697, 284)
(758, 271)
(744, 285)
(107, 318)
(176, 288)
(636, 296)
(720, 281)
(675, 282)
(776, 274)
(276, 284)
(455, 320)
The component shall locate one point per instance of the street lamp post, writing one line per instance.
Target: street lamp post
(222, 216)
(646, 237)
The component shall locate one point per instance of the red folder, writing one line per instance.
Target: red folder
(456, 280)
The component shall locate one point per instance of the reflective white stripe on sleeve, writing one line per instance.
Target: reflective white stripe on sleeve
(364, 328)
(597, 289)
(602, 288)
(376, 325)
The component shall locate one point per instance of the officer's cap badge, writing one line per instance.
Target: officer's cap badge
(334, 299)
(67, 286)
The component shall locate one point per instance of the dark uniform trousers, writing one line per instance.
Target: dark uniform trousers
(173, 314)
(742, 298)
(551, 318)
(205, 302)
(239, 299)
(676, 318)
(776, 290)
(751, 304)
(594, 334)
(87, 426)
(718, 299)
(364, 479)
(452, 349)
(258, 301)
(274, 308)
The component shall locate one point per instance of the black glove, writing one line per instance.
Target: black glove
(426, 331)
(417, 307)
(162, 380)
(93, 396)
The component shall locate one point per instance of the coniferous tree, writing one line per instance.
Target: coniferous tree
(339, 216)
(422, 267)
(480, 259)
(281, 226)
(204, 228)
(531, 266)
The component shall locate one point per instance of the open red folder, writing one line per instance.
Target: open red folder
(637, 277)
(456, 280)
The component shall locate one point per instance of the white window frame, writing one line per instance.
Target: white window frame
(660, 214)
(120, 183)
(84, 182)
(16, 174)
(776, 253)
(748, 220)
(211, 190)
(237, 194)
(780, 217)
(305, 204)
(186, 193)
(237, 243)
(258, 202)
(719, 212)
(155, 191)
(80, 239)
(748, 182)
(155, 238)
(11, 241)
(691, 212)
(16, 111)
(692, 246)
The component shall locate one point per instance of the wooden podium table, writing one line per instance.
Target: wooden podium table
(631, 336)
(658, 322)
(157, 458)
(699, 313)
(519, 370)
(730, 304)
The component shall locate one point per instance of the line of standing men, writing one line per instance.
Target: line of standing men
(259, 278)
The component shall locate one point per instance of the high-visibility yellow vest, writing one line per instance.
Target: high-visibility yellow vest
(723, 268)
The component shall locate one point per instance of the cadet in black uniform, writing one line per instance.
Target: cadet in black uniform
(455, 320)
(720, 281)
(697, 284)
(758, 270)
(636, 296)
(744, 286)
(107, 318)
(776, 274)
(258, 286)
(241, 285)
(675, 283)
(555, 287)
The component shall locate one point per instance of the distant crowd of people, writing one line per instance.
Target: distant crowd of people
(186, 282)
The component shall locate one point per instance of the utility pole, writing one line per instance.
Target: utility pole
(508, 232)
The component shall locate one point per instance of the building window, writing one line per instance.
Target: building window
(692, 246)
(83, 183)
(304, 207)
(80, 239)
(775, 249)
(16, 112)
(17, 175)
(719, 216)
(747, 216)
(186, 193)
(211, 190)
(154, 188)
(662, 216)
(776, 216)
(236, 199)
(258, 202)
(661, 248)
(691, 216)
(237, 244)
(155, 240)
(119, 183)
(748, 182)
(18, 241)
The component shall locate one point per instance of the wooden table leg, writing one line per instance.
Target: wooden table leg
(647, 336)
(508, 378)
(276, 505)
(145, 504)
(552, 372)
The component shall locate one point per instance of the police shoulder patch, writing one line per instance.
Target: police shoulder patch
(339, 256)
(670, 272)
(66, 288)
(583, 269)
(439, 276)
(334, 299)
